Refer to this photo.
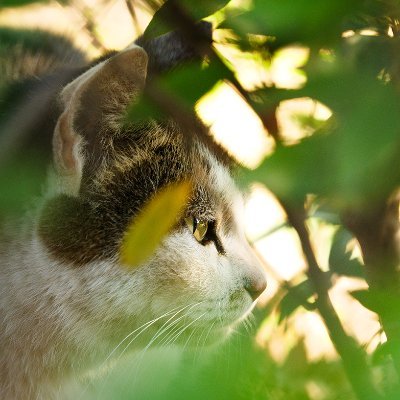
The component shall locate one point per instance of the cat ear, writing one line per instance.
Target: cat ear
(92, 108)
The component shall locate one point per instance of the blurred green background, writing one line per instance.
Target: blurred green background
(305, 95)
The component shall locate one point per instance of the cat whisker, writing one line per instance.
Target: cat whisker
(252, 321)
(249, 324)
(142, 328)
(246, 326)
(171, 333)
(188, 339)
(163, 328)
(138, 332)
(220, 313)
(198, 345)
(208, 334)
(184, 329)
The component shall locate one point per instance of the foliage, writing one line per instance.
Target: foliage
(348, 166)
(153, 223)
(16, 3)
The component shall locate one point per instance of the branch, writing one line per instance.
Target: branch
(378, 231)
(179, 18)
(132, 12)
(353, 357)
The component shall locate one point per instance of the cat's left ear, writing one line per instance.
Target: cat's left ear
(92, 108)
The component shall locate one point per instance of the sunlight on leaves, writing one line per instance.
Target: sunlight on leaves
(153, 223)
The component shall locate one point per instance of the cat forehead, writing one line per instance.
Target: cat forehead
(156, 156)
(159, 155)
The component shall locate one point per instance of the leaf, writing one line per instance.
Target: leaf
(193, 81)
(143, 109)
(367, 300)
(386, 349)
(153, 223)
(21, 180)
(16, 3)
(165, 17)
(382, 351)
(384, 303)
(295, 297)
(307, 21)
(339, 258)
(325, 214)
(296, 360)
(184, 86)
(352, 162)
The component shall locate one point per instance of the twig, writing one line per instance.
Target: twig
(377, 231)
(131, 8)
(352, 355)
(90, 26)
(179, 18)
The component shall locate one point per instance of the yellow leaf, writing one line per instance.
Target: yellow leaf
(150, 226)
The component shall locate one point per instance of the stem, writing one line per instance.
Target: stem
(377, 231)
(353, 357)
(131, 8)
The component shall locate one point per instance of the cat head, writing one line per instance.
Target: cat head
(203, 276)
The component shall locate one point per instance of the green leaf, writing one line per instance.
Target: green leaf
(143, 109)
(296, 360)
(383, 303)
(354, 162)
(390, 348)
(21, 181)
(339, 258)
(307, 21)
(381, 352)
(295, 297)
(17, 3)
(165, 18)
(183, 86)
(153, 223)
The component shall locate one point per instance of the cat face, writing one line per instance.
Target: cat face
(203, 277)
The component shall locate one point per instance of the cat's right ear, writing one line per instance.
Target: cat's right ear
(92, 107)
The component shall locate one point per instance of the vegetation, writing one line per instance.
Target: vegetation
(343, 173)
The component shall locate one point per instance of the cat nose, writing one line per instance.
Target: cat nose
(255, 287)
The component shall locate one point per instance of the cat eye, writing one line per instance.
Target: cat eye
(198, 227)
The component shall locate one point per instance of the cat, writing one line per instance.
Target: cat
(66, 301)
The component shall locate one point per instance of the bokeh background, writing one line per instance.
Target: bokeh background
(287, 352)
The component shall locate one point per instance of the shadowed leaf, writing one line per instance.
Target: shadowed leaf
(339, 258)
(163, 20)
(384, 303)
(153, 223)
(295, 297)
